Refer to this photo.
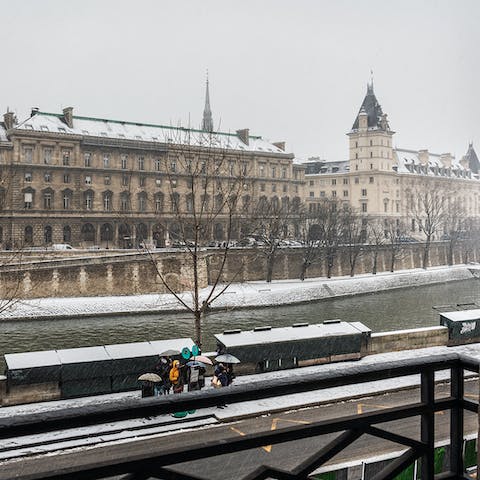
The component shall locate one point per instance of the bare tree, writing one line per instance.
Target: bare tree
(272, 220)
(352, 234)
(454, 225)
(428, 207)
(376, 239)
(208, 195)
(395, 233)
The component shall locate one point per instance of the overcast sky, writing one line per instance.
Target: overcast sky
(288, 70)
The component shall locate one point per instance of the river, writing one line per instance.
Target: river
(382, 311)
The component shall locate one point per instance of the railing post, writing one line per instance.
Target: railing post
(427, 393)
(456, 421)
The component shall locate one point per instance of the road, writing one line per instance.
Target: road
(236, 466)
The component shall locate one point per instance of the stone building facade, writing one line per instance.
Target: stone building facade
(108, 183)
(381, 181)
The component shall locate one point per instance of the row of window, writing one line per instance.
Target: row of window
(345, 181)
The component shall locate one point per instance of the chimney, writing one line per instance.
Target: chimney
(9, 120)
(243, 135)
(34, 111)
(423, 157)
(280, 145)
(446, 159)
(68, 116)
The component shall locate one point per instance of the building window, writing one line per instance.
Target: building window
(189, 203)
(285, 188)
(157, 164)
(66, 157)
(124, 161)
(107, 202)
(364, 208)
(274, 172)
(141, 163)
(312, 183)
(67, 234)
(371, 155)
(334, 181)
(173, 166)
(312, 194)
(142, 202)
(29, 235)
(261, 170)
(88, 180)
(88, 201)
(141, 181)
(371, 180)
(106, 160)
(357, 180)
(385, 207)
(107, 180)
(262, 187)
(66, 178)
(345, 193)
(125, 180)
(158, 203)
(47, 177)
(274, 187)
(87, 159)
(364, 192)
(345, 181)
(158, 182)
(28, 177)
(47, 201)
(47, 234)
(28, 154)
(322, 193)
(334, 193)
(66, 200)
(173, 183)
(356, 156)
(28, 200)
(47, 156)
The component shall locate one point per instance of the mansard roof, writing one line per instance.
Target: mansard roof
(471, 159)
(373, 109)
(146, 133)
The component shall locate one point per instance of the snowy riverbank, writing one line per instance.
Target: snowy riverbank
(238, 295)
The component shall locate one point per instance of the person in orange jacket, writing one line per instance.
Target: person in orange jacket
(176, 377)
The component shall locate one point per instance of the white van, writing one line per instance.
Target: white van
(62, 246)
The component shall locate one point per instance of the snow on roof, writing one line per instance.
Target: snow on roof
(120, 130)
(129, 350)
(16, 361)
(411, 158)
(273, 335)
(80, 355)
(462, 315)
(3, 134)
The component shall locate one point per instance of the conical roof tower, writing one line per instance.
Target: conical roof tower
(207, 122)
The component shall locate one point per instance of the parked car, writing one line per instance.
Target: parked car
(62, 246)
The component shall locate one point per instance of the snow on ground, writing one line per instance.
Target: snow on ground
(237, 295)
(286, 402)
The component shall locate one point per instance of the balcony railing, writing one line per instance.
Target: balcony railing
(349, 428)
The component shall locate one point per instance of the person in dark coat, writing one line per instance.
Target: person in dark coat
(163, 371)
(222, 376)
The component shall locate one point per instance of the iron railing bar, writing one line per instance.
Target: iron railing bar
(394, 437)
(327, 452)
(467, 362)
(133, 408)
(456, 420)
(185, 453)
(427, 424)
(398, 465)
(469, 405)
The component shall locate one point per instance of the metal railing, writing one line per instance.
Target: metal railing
(349, 428)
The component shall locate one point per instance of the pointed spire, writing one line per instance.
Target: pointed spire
(207, 122)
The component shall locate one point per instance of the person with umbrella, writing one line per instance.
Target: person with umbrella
(228, 360)
(163, 370)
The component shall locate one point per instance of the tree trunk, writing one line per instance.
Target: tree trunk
(198, 328)
(375, 263)
(426, 252)
(303, 271)
(270, 260)
(392, 262)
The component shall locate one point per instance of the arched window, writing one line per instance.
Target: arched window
(47, 234)
(106, 232)
(88, 232)
(67, 199)
(107, 201)
(142, 202)
(67, 234)
(159, 202)
(88, 200)
(125, 235)
(47, 199)
(218, 232)
(29, 235)
(124, 201)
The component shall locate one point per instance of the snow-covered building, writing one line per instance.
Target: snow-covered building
(381, 180)
(94, 181)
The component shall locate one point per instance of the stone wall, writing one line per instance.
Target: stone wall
(101, 273)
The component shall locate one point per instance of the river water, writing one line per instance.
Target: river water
(382, 311)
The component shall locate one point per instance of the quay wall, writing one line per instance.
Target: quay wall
(66, 274)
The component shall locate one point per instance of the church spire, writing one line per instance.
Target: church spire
(207, 122)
